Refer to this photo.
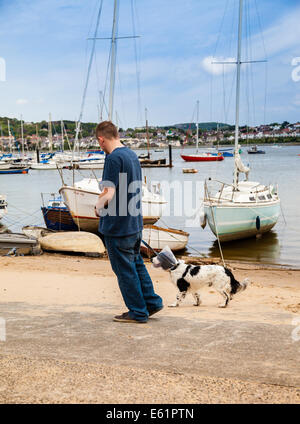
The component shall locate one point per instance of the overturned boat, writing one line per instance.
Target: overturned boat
(19, 243)
(72, 241)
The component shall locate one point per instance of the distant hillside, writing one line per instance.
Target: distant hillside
(30, 128)
(206, 126)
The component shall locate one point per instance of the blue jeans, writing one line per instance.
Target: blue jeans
(134, 281)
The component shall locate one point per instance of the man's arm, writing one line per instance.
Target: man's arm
(104, 198)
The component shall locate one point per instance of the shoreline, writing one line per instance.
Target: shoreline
(204, 146)
(233, 262)
(62, 345)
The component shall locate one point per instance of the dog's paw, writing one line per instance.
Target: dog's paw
(197, 304)
(173, 305)
(222, 305)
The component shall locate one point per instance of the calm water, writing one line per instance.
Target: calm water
(281, 166)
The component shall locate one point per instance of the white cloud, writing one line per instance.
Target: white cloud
(211, 67)
(283, 35)
(21, 101)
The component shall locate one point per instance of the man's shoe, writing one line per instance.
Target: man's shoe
(126, 318)
(154, 311)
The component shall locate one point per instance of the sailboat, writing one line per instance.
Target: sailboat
(200, 157)
(81, 197)
(145, 158)
(10, 164)
(245, 208)
(48, 162)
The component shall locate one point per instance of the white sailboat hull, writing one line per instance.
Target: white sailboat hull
(158, 238)
(233, 222)
(43, 166)
(81, 205)
(95, 165)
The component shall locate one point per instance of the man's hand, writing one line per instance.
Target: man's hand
(104, 198)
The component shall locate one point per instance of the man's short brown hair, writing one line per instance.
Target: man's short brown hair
(107, 129)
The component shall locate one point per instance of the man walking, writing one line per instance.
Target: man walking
(121, 224)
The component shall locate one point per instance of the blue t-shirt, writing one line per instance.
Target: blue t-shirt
(123, 215)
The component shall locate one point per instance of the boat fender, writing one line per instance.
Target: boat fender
(202, 218)
(258, 223)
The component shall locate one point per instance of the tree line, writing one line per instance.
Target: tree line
(41, 128)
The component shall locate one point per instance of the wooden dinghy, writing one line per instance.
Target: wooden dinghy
(189, 170)
(159, 237)
(24, 245)
(33, 231)
(73, 241)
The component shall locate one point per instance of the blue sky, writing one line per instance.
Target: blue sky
(44, 44)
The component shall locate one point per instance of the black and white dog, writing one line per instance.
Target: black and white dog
(191, 278)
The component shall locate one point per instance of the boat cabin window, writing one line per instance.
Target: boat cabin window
(262, 197)
(269, 196)
(252, 198)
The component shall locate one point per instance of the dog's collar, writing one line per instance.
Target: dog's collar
(174, 267)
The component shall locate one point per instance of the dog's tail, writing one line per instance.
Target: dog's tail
(244, 284)
(236, 286)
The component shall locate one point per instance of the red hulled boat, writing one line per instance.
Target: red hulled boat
(203, 157)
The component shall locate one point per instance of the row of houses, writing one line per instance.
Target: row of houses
(161, 138)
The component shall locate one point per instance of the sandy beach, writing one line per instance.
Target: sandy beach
(63, 347)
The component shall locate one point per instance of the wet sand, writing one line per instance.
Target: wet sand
(63, 347)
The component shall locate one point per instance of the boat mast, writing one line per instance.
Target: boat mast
(62, 135)
(197, 128)
(238, 84)
(1, 143)
(9, 134)
(22, 136)
(78, 123)
(101, 98)
(147, 132)
(37, 144)
(113, 60)
(50, 134)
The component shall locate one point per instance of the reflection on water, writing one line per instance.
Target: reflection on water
(263, 249)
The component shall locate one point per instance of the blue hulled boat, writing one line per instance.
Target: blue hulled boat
(57, 216)
(14, 171)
